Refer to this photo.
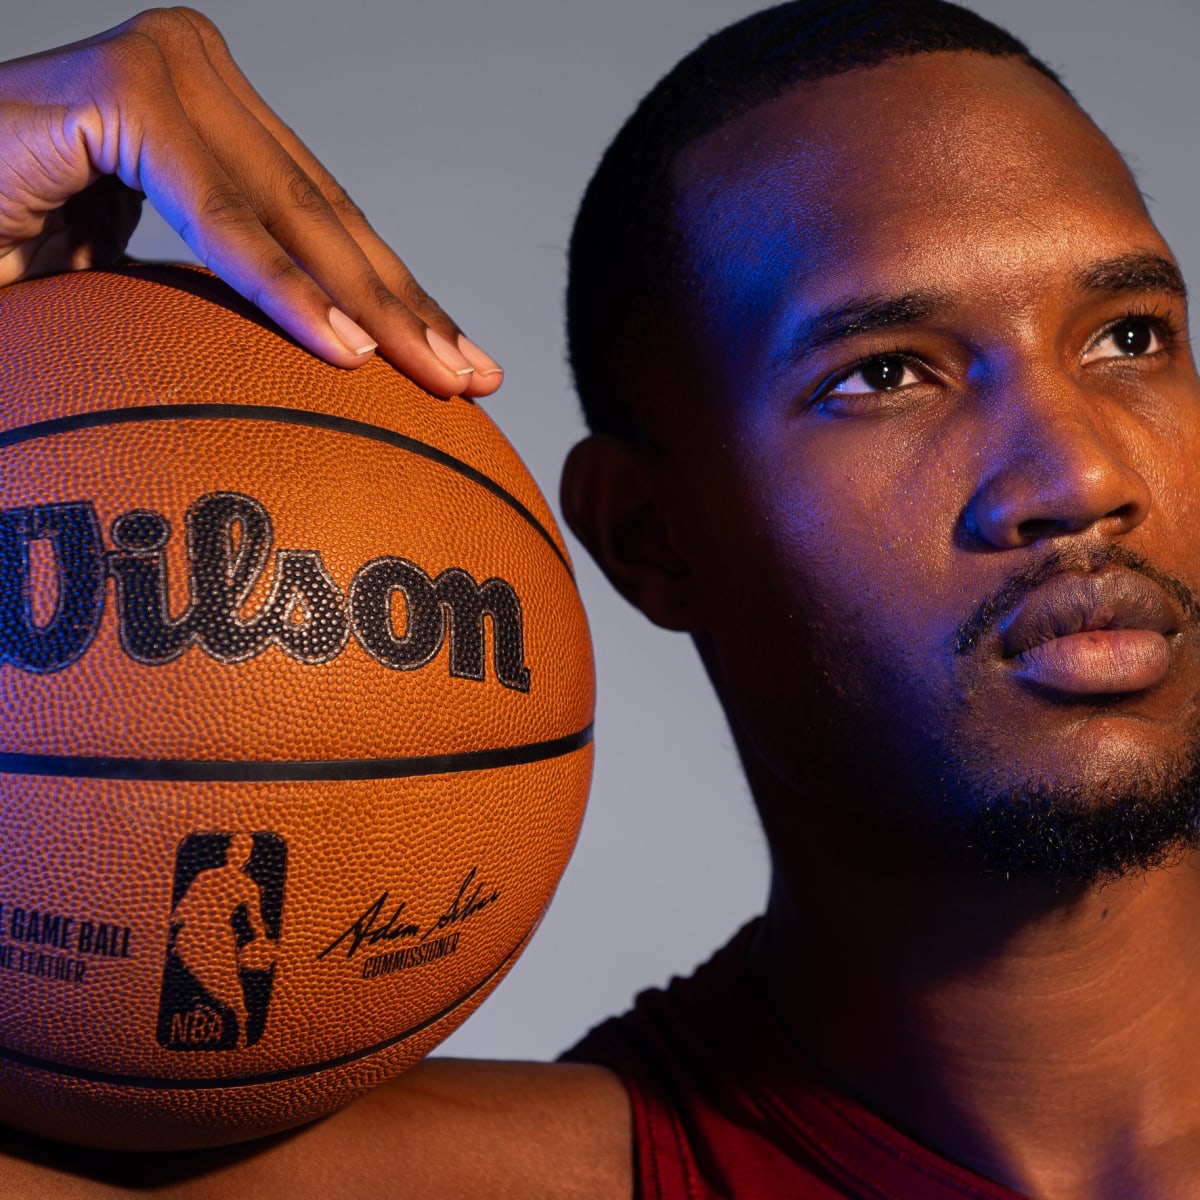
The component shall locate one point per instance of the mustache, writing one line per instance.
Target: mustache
(992, 609)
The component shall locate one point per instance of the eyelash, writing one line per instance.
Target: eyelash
(1168, 329)
(1165, 324)
(901, 354)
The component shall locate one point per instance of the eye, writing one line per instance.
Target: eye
(1131, 337)
(882, 374)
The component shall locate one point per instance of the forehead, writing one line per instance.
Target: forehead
(939, 170)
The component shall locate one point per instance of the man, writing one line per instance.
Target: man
(896, 415)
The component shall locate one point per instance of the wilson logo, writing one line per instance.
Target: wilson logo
(229, 540)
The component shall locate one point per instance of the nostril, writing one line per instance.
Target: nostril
(1126, 514)
(1037, 528)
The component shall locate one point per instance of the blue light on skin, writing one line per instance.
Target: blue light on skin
(830, 537)
(829, 236)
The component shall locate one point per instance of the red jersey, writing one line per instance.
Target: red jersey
(726, 1108)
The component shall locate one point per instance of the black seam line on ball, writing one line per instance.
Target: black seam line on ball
(284, 416)
(213, 771)
(167, 1084)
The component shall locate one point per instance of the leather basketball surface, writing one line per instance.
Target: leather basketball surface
(295, 715)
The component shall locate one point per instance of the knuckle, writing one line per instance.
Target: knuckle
(303, 194)
(409, 298)
(275, 270)
(275, 267)
(339, 200)
(176, 38)
(132, 61)
(385, 298)
(145, 21)
(222, 207)
(163, 26)
(225, 202)
(418, 299)
(210, 38)
(202, 26)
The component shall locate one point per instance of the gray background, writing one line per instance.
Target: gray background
(467, 130)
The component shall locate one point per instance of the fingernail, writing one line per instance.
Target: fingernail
(483, 363)
(447, 352)
(356, 339)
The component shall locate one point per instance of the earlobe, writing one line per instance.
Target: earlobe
(616, 498)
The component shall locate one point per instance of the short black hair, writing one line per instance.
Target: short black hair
(624, 259)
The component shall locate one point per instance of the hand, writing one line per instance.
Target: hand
(158, 106)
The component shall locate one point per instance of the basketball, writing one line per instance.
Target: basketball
(295, 715)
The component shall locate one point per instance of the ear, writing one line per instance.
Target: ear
(616, 498)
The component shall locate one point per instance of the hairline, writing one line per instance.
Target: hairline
(653, 294)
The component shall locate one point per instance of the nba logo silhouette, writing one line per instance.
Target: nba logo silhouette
(226, 912)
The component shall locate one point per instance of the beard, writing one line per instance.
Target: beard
(1071, 832)
(922, 770)
(1070, 837)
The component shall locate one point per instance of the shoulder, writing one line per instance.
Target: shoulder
(446, 1129)
(523, 1130)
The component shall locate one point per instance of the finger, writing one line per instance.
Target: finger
(167, 160)
(360, 294)
(214, 217)
(210, 207)
(334, 245)
(387, 264)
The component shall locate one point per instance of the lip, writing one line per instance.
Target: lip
(1092, 634)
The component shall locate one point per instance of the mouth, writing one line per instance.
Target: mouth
(1105, 633)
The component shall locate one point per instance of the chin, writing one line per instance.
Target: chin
(1113, 808)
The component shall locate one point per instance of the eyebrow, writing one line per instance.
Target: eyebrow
(1140, 271)
(863, 315)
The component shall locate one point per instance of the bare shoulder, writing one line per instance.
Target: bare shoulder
(519, 1129)
(448, 1129)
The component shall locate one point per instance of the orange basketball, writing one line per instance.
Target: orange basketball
(295, 715)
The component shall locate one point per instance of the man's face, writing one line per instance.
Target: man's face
(940, 484)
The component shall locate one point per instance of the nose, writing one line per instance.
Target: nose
(1055, 466)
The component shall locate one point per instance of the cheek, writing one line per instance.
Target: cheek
(825, 614)
(1163, 445)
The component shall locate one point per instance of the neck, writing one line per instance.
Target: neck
(1038, 1038)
